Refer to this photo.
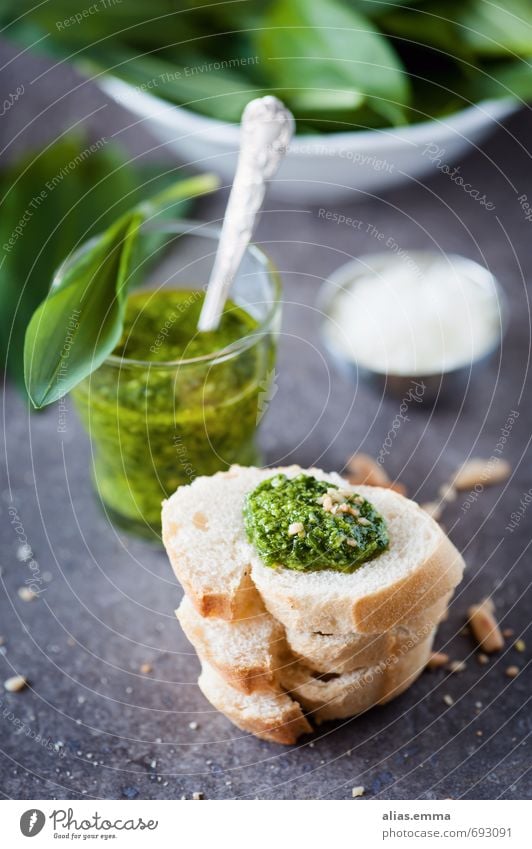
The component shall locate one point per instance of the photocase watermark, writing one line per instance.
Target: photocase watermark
(517, 515)
(364, 160)
(393, 246)
(172, 318)
(525, 206)
(495, 458)
(193, 70)
(73, 163)
(38, 199)
(436, 155)
(341, 218)
(65, 824)
(268, 389)
(24, 219)
(34, 580)
(408, 642)
(32, 822)
(415, 394)
(387, 241)
(10, 100)
(64, 819)
(183, 457)
(62, 410)
(70, 335)
(23, 728)
(220, 65)
(79, 17)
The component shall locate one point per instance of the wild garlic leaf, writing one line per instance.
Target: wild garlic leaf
(330, 48)
(218, 93)
(327, 45)
(504, 79)
(46, 207)
(80, 322)
(492, 29)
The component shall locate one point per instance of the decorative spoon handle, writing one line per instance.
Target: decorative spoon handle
(266, 129)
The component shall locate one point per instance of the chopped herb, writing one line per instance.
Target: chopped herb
(308, 525)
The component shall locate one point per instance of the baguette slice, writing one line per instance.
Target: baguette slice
(273, 717)
(354, 692)
(420, 567)
(247, 654)
(340, 653)
(204, 536)
(251, 654)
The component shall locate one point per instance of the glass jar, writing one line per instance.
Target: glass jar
(157, 425)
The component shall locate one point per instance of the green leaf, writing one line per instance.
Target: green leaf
(79, 23)
(80, 322)
(379, 7)
(211, 88)
(504, 79)
(46, 207)
(63, 195)
(325, 45)
(339, 64)
(492, 29)
(430, 26)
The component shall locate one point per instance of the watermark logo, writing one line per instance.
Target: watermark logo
(415, 393)
(517, 515)
(436, 155)
(491, 464)
(38, 199)
(10, 100)
(526, 207)
(32, 822)
(65, 825)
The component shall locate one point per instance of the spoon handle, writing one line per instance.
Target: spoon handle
(266, 129)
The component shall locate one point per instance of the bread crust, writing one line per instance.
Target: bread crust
(347, 652)
(224, 590)
(293, 725)
(228, 586)
(231, 591)
(439, 575)
(358, 691)
(228, 648)
(283, 724)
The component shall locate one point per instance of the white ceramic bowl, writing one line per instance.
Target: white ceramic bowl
(441, 384)
(318, 168)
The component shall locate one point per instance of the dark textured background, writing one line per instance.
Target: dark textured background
(109, 599)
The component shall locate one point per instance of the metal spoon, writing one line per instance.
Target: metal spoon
(266, 129)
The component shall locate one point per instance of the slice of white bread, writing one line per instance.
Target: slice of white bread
(229, 624)
(252, 654)
(341, 653)
(419, 567)
(353, 692)
(270, 716)
(247, 653)
(203, 532)
(278, 717)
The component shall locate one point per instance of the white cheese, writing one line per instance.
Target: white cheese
(392, 318)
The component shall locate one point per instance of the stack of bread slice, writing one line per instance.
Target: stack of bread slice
(280, 647)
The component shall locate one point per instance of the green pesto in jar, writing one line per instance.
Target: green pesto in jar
(157, 422)
(305, 524)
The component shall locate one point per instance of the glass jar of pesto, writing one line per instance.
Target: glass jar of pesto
(172, 403)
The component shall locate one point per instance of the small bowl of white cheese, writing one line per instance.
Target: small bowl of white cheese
(418, 318)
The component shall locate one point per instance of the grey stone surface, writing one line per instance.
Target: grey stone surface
(108, 599)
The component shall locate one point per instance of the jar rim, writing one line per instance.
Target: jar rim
(189, 227)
